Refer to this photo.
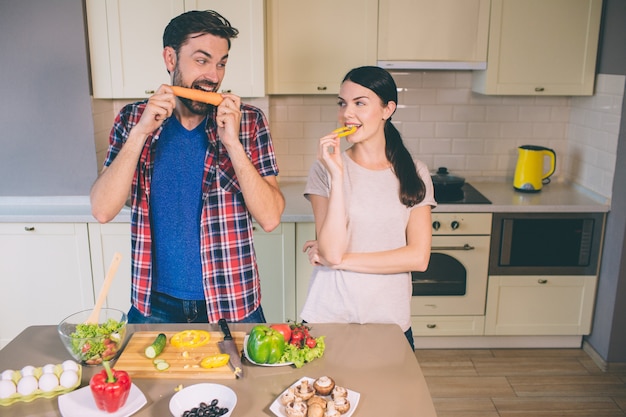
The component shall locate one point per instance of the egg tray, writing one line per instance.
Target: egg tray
(38, 393)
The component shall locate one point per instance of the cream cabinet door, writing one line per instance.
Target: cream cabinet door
(126, 45)
(541, 47)
(433, 33)
(540, 305)
(304, 269)
(46, 274)
(104, 241)
(276, 263)
(311, 45)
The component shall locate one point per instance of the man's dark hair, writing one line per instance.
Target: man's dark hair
(197, 21)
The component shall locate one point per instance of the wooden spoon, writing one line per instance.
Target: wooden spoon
(115, 263)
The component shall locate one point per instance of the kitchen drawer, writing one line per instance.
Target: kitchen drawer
(38, 228)
(448, 325)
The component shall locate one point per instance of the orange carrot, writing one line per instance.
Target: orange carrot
(345, 131)
(198, 95)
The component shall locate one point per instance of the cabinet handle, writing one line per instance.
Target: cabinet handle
(321, 88)
(467, 246)
(29, 228)
(149, 91)
(542, 281)
(539, 89)
(431, 326)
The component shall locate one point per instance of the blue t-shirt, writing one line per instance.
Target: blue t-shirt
(175, 209)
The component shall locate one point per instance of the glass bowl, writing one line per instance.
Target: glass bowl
(90, 344)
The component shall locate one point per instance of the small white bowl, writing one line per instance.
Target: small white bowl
(193, 395)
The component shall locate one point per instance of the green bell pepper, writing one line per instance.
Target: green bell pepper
(265, 345)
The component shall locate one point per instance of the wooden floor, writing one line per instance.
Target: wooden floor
(521, 383)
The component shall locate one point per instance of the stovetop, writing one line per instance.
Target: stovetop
(467, 194)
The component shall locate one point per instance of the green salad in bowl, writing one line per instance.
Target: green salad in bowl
(90, 344)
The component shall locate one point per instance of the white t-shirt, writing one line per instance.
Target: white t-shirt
(377, 221)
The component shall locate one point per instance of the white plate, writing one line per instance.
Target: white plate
(245, 353)
(80, 403)
(193, 395)
(278, 409)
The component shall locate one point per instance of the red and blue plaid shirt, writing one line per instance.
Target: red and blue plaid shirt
(229, 269)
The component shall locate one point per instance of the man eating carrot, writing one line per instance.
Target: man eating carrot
(197, 175)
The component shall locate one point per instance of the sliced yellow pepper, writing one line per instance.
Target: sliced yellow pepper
(190, 338)
(345, 131)
(215, 361)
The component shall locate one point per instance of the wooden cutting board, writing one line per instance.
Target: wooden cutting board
(184, 362)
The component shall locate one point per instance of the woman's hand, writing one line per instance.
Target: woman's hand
(310, 248)
(329, 153)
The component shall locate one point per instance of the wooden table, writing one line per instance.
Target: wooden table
(372, 359)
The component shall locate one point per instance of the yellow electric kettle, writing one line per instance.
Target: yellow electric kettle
(529, 172)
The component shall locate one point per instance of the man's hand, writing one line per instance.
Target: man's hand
(160, 106)
(228, 120)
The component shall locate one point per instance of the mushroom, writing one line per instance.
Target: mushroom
(324, 385)
(316, 399)
(304, 390)
(339, 392)
(288, 396)
(331, 411)
(296, 408)
(315, 410)
(341, 404)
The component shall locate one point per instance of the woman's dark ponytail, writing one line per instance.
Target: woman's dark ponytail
(412, 188)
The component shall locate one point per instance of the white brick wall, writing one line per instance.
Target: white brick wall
(444, 123)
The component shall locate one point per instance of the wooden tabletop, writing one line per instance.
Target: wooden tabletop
(372, 359)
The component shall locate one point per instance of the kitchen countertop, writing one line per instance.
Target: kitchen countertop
(372, 359)
(554, 197)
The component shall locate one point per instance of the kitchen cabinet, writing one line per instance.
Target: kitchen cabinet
(541, 47)
(540, 305)
(46, 274)
(104, 241)
(438, 34)
(304, 231)
(311, 45)
(126, 49)
(276, 263)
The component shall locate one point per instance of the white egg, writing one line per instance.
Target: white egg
(48, 369)
(7, 388)
(70, 365)
(28, 370)
(7, 375)
(69, 378)
(48, 382)
(27, 385)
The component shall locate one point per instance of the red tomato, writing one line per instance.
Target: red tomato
(284, 329)
(311, 342)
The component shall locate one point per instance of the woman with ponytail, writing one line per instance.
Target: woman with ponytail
(372, 207)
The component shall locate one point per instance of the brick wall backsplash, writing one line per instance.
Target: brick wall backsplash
(444, 123)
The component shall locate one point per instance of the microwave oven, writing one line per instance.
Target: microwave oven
(546, 243)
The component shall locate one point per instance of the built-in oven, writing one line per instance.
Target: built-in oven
(546, 243)
(455, 282)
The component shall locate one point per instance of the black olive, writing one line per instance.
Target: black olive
(214, 402)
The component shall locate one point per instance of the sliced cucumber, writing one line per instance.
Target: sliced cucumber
(161, 366)
(156, 347)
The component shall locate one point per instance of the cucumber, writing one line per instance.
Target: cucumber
(156, 347)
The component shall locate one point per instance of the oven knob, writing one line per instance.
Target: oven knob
(454, 225)
(436, 225)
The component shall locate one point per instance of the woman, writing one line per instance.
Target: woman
(372, 208)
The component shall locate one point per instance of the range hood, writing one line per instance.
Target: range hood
(433, 65)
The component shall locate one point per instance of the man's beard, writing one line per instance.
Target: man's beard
(201, 109)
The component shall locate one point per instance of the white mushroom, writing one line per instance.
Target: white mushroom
(324, 385)
(342, 404)
(288, 396)
(339, 392)
(331, 411)
(304, 390)
(296, 408)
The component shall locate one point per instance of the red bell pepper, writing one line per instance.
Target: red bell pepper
(110, 388)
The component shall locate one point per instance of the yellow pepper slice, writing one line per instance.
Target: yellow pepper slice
(345, 131)
(190, 338)
(215, 361)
